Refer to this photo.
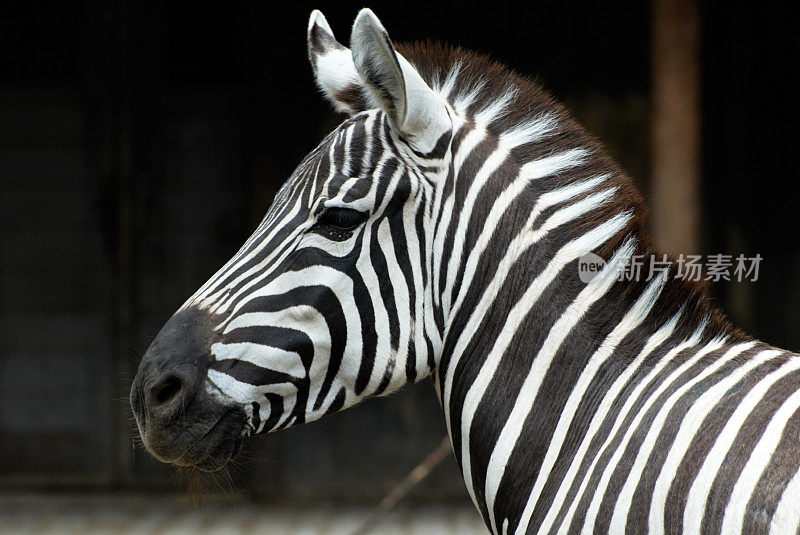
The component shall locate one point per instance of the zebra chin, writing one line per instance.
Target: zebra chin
(180, 418)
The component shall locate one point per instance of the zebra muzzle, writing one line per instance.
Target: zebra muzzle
(179, 419)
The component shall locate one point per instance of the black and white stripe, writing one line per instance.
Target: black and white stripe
(610, 406)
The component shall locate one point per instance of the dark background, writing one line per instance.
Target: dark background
(141, 142)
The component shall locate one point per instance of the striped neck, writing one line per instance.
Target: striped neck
(527, 192)
(526, 196)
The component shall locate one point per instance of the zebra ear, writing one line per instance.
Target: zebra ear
(333, 67)
(413, 108)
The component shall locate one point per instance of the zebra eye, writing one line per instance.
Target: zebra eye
(342, 219)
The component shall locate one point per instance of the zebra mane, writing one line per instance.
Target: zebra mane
(488, 91)
(479, 85)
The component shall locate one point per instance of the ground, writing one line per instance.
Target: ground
(163, 515)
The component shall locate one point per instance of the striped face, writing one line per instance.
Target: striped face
(324, 304)
(328, 302)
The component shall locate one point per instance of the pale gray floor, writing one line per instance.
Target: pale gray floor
(38, 514)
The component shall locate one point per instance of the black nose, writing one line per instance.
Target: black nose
(168, 392)
(165, 391)
(161, 393)
(172, 370)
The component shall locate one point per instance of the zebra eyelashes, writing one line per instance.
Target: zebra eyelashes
(339, 223)
(344, 219)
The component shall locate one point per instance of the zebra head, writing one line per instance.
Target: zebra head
(328, 302)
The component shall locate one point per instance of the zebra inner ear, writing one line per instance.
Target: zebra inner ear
(333, 67)
(413, 108)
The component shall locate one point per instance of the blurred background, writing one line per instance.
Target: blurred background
(141, 142)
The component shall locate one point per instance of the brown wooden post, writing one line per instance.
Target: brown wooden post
(676, 126)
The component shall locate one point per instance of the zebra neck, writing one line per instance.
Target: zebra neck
(519, 323)
(518, 343)
(515, 218)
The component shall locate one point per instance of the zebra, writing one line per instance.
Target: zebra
(438, 231)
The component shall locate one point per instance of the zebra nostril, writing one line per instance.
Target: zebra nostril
(166, 390)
